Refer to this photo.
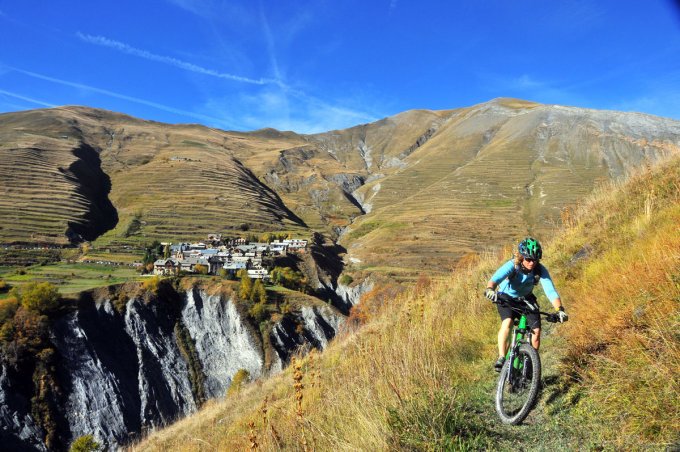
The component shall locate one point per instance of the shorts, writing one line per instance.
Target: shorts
(533, 319)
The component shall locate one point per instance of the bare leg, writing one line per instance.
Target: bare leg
(536, 338)
(503, 334)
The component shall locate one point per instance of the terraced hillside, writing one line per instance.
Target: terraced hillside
(154, 181)
(410, 193)
(52, 187)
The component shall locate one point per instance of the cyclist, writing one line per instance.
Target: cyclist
(517, 278)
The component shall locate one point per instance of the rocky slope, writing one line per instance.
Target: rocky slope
(122, 371)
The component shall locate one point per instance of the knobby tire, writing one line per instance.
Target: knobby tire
(513, 407)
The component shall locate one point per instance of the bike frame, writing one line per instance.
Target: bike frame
(517, 337)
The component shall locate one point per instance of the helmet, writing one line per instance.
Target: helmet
(530, 248)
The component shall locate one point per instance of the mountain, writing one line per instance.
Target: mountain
(407, 194)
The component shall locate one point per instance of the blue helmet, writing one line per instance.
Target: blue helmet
(530, 248)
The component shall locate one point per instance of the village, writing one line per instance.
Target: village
(226, 257)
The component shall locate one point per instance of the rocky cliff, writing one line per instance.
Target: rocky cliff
(150, 361)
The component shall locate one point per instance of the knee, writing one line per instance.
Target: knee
(505, 325)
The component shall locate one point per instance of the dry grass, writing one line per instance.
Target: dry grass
(624, 349)
(348, 390)
(397, 382)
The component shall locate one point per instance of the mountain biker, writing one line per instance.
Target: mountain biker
(517, 278)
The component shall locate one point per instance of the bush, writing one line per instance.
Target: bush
(201, 269)
(40, 297)
(346, 279)
(152, 284)
(85, 443)
(4, 287)
(287, 277)
(8, 307)
(241, 377)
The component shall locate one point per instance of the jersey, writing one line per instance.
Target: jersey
(519, 284)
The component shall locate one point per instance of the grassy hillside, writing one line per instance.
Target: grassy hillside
(413, 370)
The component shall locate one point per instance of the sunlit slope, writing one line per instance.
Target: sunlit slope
(52, 188)
(159, 181)
(495, 172)
(418, 376)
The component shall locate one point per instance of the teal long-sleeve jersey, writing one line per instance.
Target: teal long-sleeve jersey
(521, 284)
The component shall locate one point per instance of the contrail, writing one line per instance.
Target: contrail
(208, 119)
(27, 99)
(125, 48)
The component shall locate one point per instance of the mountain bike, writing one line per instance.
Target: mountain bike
(519, 380)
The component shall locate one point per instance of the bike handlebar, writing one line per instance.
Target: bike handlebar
(523, 309)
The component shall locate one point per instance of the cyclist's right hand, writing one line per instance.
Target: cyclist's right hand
(491, 294)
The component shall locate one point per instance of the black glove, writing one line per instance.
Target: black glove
(491, 294)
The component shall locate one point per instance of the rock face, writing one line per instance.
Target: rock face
(352, 294)
(123, 372)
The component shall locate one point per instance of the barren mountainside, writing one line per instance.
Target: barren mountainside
(426, 186)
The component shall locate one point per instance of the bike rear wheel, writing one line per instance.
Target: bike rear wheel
(518, 385)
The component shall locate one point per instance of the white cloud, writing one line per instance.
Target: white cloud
(666, 104)
(125, 48)
(271, 108)
(137, 100)
(27, 99)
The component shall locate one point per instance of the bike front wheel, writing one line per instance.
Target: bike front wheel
(518, 385)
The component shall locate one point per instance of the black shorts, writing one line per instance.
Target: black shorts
(533, 319)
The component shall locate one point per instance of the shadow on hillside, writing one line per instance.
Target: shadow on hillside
(94, 185)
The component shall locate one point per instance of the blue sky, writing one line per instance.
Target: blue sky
(318, 65)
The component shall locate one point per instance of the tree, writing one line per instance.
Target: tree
(287, 277)
(245, 288)
(85, 443)
(39, 297)
(259, 293)
(8, 307)
(258, 312)
(166, 251)
(201, 269)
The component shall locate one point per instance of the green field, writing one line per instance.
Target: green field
(69, 278)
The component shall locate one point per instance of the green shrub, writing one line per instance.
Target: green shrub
(287, 277)
(39, 297)
(346, 279)
(85, 443)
